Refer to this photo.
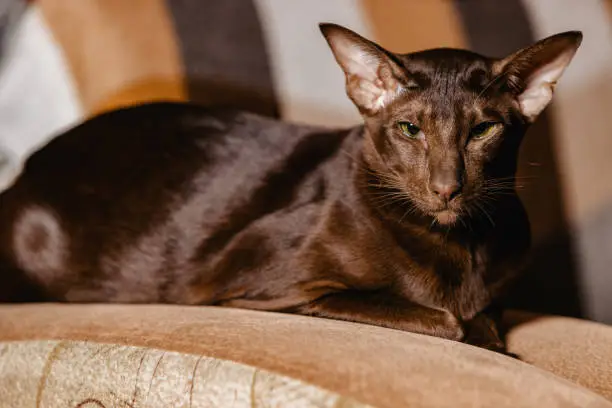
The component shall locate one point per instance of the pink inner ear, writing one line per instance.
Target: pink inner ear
(366, 85)
(357, 61)
(540, 86)
(370, 83)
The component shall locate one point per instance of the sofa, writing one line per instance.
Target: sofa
(63, 61)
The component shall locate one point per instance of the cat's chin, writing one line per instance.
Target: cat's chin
(446, 217)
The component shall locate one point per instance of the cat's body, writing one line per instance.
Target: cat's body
(178, 204)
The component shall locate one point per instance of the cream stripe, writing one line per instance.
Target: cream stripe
(309, 83)
(413, 25)
(121, 52)
(583, 106)
(37, 96)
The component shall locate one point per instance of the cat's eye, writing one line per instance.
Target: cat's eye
(484, 129)
(409, 129)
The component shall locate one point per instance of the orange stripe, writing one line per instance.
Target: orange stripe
(608, 4)
(120, 52)
(412, 25)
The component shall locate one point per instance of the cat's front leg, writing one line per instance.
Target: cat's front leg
(386, 310)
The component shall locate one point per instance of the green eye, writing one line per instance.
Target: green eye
(409, 129)
(484, 129)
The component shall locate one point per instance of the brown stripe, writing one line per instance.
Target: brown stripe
(495, 28)
(120, 52)
(412, 25)
(224, 53)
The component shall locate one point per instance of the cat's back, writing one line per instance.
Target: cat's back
(139, 158)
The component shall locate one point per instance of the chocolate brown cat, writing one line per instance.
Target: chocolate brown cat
(410, 221)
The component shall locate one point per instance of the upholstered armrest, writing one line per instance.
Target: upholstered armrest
(160, 356)
(578, 350)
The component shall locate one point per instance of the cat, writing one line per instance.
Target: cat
(410, 221)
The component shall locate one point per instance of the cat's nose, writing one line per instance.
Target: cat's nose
(446, 190)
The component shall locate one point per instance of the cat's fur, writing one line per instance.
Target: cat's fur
(178, 204)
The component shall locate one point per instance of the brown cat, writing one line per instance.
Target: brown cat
(410, 221)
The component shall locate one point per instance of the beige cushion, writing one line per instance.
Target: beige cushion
(371, 365)
(578, 350)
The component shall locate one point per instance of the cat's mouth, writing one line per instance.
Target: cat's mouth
(446, 217)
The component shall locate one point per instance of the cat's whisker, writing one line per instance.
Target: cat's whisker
(505, 183)
(511, 178)
(387, 198)
(383, 199)
(469, 224)
(383, 187)
(388, 179)
(433, 223)
(380, 196)
(460, 219)
(499, 189)
(379, 174)
(484, 211)
(405, 214)
(383, 204)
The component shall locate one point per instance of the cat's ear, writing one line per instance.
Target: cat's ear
(533, 72)
(371, 74)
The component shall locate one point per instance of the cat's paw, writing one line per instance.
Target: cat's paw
(482, 332)
(484, 339)
(451, 328)
(494, 345)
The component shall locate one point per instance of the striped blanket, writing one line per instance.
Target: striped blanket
(65, 60)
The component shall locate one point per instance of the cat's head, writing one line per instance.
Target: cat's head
(443, 126)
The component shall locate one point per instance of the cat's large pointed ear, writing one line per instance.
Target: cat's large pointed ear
(371, 75)
(533, 72)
